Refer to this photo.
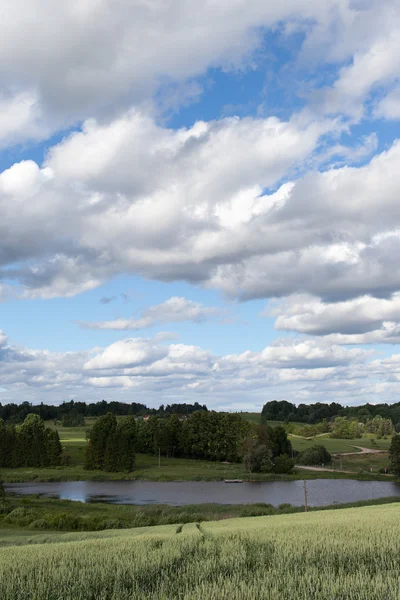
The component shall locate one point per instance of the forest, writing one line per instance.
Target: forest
(72, 414)
(29, 445)
(282, 410)
(203, 435)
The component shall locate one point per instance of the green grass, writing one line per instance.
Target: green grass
(172, 469)
(339, 445)
(29, 516)
(326, 555)
(251, 417)
(372, 462)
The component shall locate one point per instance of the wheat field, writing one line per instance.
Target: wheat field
(350, 554)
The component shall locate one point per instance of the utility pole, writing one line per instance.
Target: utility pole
(159, 457)
(305, 496)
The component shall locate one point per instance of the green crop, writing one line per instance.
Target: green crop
(351, 554)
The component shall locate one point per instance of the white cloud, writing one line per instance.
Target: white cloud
(101, 189)
(21, 119)
(362, 320)
(124, 354)
(87, 58)
(389, 107)
(174, 309)
(161, 371)
(62, 64)
(357, 316)
(376, 66)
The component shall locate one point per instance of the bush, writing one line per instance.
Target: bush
(19, 516)
(316, 455)
(39, 524)
(113, 524)
(283, 464)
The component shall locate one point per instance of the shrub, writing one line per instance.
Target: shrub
(20, 516)
(39, 524)
(316, 455)
(283, 464)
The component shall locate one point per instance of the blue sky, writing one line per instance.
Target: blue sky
(200, 205)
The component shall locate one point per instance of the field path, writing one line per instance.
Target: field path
(322, 469)
(361, 451)
(301, 437)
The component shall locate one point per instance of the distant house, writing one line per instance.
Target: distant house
(146, 417)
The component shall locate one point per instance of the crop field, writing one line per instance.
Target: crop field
(348, 554)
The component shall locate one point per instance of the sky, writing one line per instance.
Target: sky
(200, 202)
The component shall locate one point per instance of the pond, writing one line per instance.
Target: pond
(321, 492)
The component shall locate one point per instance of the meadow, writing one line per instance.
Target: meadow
(346, 554)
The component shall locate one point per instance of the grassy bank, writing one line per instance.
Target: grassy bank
(32, 514)
(176, 470)
(345, 555)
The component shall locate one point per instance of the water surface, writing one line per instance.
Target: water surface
(321, 492)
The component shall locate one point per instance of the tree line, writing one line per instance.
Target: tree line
(343, 428)
(282, 410)
(205, 435)
(30, 444)
(72, 414)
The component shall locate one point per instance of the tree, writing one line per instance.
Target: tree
(33, 442)
(344, 428)
(103, 429)
(316, 455)
(394, 455)
(54, 448)
(126, 436)
(283, 464)
(257, 457)
(111, 445)
(73, 419)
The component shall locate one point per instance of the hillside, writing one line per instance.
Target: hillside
(342, 555)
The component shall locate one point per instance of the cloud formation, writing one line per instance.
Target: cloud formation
(160, 371)
(298, 207)
(173, 310)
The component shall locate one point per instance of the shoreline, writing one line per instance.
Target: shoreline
(69, 474)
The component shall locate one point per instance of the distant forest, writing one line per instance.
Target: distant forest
(72, 414)
(281, 410)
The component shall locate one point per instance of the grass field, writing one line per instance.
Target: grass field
(329, 555)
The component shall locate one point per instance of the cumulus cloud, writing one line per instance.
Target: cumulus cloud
(21, 119)
(160, 370)
(97, 58)
(362, 320)
(93, 57)
(333, 234)
(389, 107)
(121, 175)
(253, 207)
(174, 309)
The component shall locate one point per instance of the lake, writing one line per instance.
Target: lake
(321, 492)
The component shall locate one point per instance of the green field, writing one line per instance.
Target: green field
(338, 445)
(328, 555)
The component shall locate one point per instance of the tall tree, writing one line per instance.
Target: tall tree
(394, 455)
(99, 435)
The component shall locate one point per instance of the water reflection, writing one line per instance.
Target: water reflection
(321, 492)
